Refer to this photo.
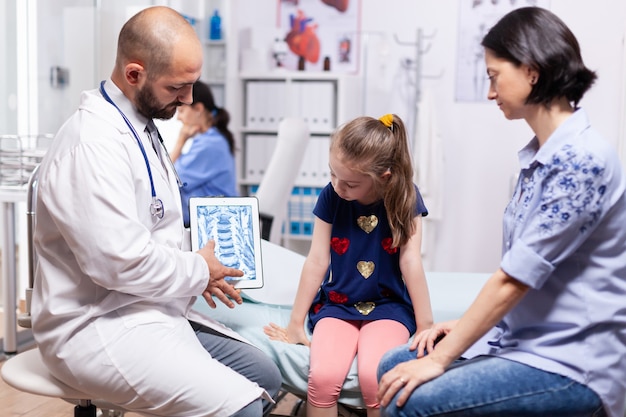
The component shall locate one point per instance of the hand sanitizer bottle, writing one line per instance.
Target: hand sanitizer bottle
(215, 29)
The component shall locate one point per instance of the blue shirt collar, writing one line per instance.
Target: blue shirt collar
(532, 153)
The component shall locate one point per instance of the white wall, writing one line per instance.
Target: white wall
(480, 146)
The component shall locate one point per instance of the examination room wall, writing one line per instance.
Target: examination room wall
(478, 159)
(468, 196)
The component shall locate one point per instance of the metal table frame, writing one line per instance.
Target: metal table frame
(9, 196)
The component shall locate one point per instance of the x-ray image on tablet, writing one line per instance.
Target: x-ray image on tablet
(233, 223)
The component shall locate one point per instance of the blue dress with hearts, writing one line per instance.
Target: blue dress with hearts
(363, 281)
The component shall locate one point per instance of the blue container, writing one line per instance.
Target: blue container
(215, 27)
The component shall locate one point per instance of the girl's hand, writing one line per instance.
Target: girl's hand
(425, 340)
(407, 376)
(281, 334)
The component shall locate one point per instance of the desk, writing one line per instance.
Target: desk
(9, 196)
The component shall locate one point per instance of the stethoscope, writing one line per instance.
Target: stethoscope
(156, 207)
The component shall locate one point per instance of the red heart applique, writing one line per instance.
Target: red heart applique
(386, 243)
(337, 297)
(339, 245)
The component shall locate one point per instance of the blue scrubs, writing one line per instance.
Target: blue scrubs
(206, 169)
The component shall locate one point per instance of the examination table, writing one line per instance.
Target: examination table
(451, 294)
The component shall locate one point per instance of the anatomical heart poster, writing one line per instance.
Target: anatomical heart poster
(321, 34)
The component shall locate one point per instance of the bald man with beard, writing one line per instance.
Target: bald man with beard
(115, 285)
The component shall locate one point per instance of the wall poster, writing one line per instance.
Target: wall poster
(476, 17)
(320, 34)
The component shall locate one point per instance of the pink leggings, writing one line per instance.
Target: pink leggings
(334, 345)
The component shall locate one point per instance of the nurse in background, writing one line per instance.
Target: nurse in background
(207, 167)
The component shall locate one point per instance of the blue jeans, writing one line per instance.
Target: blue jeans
(492, 386)
(246, 359)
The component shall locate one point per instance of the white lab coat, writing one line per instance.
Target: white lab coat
(113, 289)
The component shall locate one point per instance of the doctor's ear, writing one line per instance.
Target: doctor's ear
(134, 72)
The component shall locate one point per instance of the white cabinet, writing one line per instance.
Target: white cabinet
(214, 68)
(324, 101)
(216, 52)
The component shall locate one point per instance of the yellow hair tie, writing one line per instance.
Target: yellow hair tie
(387, 120)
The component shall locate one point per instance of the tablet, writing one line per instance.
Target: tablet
(233, 223)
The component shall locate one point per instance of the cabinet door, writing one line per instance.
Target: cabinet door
(257, 154)
(316, 103)
(266, 104)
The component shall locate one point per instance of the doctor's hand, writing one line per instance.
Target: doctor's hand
(217, 286)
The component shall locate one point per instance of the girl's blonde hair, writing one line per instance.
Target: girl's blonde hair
(376, 146)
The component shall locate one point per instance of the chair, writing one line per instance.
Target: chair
(26, 371)
(280, 175)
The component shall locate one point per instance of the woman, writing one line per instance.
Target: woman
(207, 168)
(557, 299)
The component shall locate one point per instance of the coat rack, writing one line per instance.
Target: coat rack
(427, 170)
(421, 48)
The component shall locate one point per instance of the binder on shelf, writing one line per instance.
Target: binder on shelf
(265, 104)
(322, 169)
(258, 152)
(306, 174)
(294, 207)
(311, 94)
(308, 200)
(253, 116)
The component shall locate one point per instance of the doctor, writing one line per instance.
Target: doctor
(113, 291)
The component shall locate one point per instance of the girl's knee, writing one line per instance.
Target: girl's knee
(324, 387)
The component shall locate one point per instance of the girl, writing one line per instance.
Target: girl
(558, 295)
(366, 256)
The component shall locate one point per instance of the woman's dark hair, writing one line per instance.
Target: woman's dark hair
(538, 38)
(202, 94)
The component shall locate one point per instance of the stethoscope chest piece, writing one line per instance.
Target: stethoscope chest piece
(156, 208)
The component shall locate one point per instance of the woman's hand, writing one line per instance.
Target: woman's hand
(217, 286)
(188, 131)
(407, 376)
(281, 334)
(425, 340)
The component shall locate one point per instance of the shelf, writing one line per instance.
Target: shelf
(214, 81)
(211, 42)
(279, 75)
(261, 131)
(302, 184)
(297, 237)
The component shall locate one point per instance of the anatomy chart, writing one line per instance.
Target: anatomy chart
(476, 17)
(320, 33)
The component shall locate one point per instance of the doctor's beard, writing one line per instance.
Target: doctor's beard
(148, 105)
